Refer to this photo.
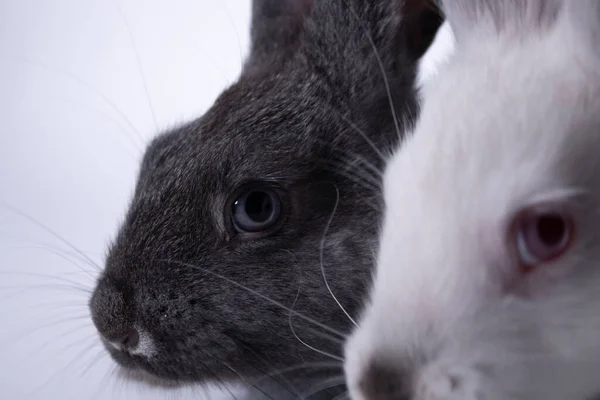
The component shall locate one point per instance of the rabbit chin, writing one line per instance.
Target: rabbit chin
(144, 377)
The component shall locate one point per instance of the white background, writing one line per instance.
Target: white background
(74, 115)
(83, 85)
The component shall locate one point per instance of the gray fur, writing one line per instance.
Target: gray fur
(311, 70)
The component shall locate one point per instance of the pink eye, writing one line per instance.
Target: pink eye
(542, 236)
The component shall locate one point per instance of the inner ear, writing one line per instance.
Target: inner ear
(422, 19)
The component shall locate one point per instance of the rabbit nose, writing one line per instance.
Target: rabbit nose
(128, 342)
(385, 382)
(112, 315)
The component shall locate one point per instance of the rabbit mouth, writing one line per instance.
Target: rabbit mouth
(139, 369)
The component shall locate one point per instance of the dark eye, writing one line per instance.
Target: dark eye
(256, 210)
(542, 236)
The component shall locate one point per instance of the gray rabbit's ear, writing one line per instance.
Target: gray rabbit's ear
(275, 31)
(471, 18)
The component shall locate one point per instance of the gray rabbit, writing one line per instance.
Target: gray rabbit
(241, 218)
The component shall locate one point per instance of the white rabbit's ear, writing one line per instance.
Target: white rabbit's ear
(584, 19)
(514, 17)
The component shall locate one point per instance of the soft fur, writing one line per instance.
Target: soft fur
(309, 115)
(512, 120)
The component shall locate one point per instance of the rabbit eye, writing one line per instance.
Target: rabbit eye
(542, 236)
(256, 210)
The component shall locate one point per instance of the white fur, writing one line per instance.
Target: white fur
(514, 118)
(145, 347)
(436, 55)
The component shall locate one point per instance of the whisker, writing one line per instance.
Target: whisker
(237, 36)
(62, 349)
(50, 231)
(324, 364)
(377, 173)
(326, 384)
(61, 306)
(285, 384)
(321, 256)
(110, 374)
(342, 396)
(245, 380)
(361, 133)
(262, 296)
(95, 90)
(57, 278)
(61, 250)
(28, 332)
(219, 381)
(63, 256)
(382, 69)
(94, 362)
(21, 291)
(204, 54)
(324, 353)
(113, 121)
(345, 171)
(326, 336)
(139, 65)
(56, 374)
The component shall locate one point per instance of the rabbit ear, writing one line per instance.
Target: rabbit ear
(584, 19)
(474, 17)
(275, 29)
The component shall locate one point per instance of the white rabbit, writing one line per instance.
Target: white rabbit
(488, 277)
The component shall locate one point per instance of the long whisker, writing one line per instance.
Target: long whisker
(62, 349)
(204, 54)
(139, 65)
(323, 364)
(284, 384)
(245, 381)
(327, 336)
(262, 296)
(360, 132)
(67, 252)
(57, 373)
(95, 90)
(382, 69)
(113, 121)
(219, 381)
(51, 232)
(61, 255)
(322, 247)
(342, 396)
(57, 278)
(345, 170)
(94, 361)
(20, 292)
(377, 172)
(326, 354)
(27, 333)
(237, 36)
(326, 384)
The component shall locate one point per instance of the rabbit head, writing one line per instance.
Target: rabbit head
(239, 217)
(487, 283)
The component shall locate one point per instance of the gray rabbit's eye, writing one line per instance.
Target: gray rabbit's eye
(256, 210)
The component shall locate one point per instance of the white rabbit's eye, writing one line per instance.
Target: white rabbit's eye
(542, 235)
